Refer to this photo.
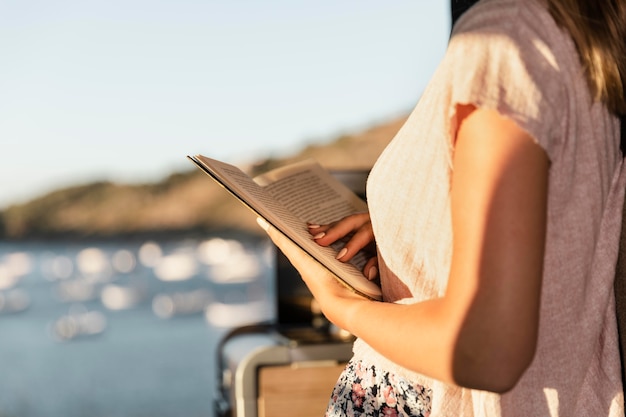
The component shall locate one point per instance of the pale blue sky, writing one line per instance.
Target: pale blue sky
(123, 90)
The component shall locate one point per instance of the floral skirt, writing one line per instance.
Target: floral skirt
(366, 391)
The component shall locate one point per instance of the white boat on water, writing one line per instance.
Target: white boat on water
(14, 301)
(77, 323)
(168, 305)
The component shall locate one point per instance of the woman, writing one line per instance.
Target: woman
(495, 212)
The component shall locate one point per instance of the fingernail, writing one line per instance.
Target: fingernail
(263, 223)
(341, 253)
(319, 235)
(372, 273)
(313, 226)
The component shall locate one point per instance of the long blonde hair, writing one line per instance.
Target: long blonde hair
(598, 28)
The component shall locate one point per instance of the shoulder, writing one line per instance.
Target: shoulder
(506, 17)
(521, 31)
(510, 55)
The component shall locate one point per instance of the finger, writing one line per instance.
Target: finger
(359, 241)
(263, 223)
(277, 237)
(317, 277)
(318, 230)
(370, 270)
(341, 229)
(315, 226)
(298, 257)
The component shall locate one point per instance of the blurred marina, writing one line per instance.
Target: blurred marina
(124, 328)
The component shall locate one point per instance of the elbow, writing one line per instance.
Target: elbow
(493, 348)
(496, 369)
(504, 378)
(510, 376)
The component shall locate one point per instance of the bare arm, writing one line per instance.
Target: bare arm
(482, 333)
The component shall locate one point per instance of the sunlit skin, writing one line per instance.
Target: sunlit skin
(482, 333)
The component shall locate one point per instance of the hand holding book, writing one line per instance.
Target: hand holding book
(337, 300)
(355, 237)
(287, 198)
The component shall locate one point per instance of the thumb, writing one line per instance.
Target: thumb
(290, 249)
(263, 223)
(272, 232)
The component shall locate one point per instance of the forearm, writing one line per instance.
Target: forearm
(443, 341)
(420, 337)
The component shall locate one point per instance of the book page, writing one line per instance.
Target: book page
(264, 204)
(314, 195)
(311, 192)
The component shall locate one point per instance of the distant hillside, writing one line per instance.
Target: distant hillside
(182, 203)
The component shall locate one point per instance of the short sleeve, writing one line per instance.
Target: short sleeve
(512, 68)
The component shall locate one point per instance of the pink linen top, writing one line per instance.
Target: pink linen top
(511, 56)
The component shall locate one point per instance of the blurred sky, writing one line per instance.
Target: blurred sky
(123, 90)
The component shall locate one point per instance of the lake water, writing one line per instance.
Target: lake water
(107, 329)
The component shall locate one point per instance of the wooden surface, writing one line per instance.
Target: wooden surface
(297, 390)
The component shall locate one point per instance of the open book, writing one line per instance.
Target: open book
(290, 196)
